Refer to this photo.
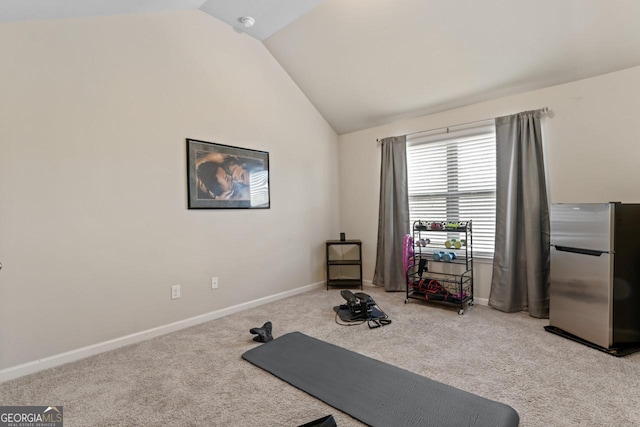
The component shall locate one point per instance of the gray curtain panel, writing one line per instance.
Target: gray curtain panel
(393, 216)
(521, 261)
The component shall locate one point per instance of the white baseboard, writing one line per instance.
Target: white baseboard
(91, 350)
(481, 301)
(476, 300)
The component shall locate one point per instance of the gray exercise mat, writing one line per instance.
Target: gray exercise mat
(373, 392)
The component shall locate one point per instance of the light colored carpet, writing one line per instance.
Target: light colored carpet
(196, 377)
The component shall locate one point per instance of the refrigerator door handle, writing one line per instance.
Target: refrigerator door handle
(581, 251)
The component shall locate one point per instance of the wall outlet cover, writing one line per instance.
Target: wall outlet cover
(175, 292)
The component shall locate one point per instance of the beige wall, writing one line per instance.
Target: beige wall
(592, 151)
(94, 227)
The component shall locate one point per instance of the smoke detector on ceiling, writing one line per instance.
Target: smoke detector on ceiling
(247, 21)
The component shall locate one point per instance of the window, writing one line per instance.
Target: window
(452, 177)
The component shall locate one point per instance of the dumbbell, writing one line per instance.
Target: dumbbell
(449, 256)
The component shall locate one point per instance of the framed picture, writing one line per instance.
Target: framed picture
(224, 177)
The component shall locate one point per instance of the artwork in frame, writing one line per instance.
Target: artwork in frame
(225, 177)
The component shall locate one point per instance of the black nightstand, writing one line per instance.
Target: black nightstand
(348, 248)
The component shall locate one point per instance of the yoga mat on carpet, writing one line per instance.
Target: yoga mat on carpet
(374, 392)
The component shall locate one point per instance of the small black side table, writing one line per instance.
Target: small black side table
(344, 262)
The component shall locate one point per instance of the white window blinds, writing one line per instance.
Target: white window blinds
(452, 177)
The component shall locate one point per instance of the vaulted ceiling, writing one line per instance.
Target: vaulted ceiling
(364, 63)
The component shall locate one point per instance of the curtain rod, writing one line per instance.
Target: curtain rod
(542, 110)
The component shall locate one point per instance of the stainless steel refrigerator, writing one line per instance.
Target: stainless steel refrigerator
(595, 275)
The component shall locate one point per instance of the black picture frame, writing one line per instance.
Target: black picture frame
(225, 177)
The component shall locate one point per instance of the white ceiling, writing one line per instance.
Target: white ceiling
(366, 66)
(27, 10)
(364, 63)
(270, 15)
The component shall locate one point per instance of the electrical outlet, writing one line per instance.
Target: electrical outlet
(175, 292)
(214, 283)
